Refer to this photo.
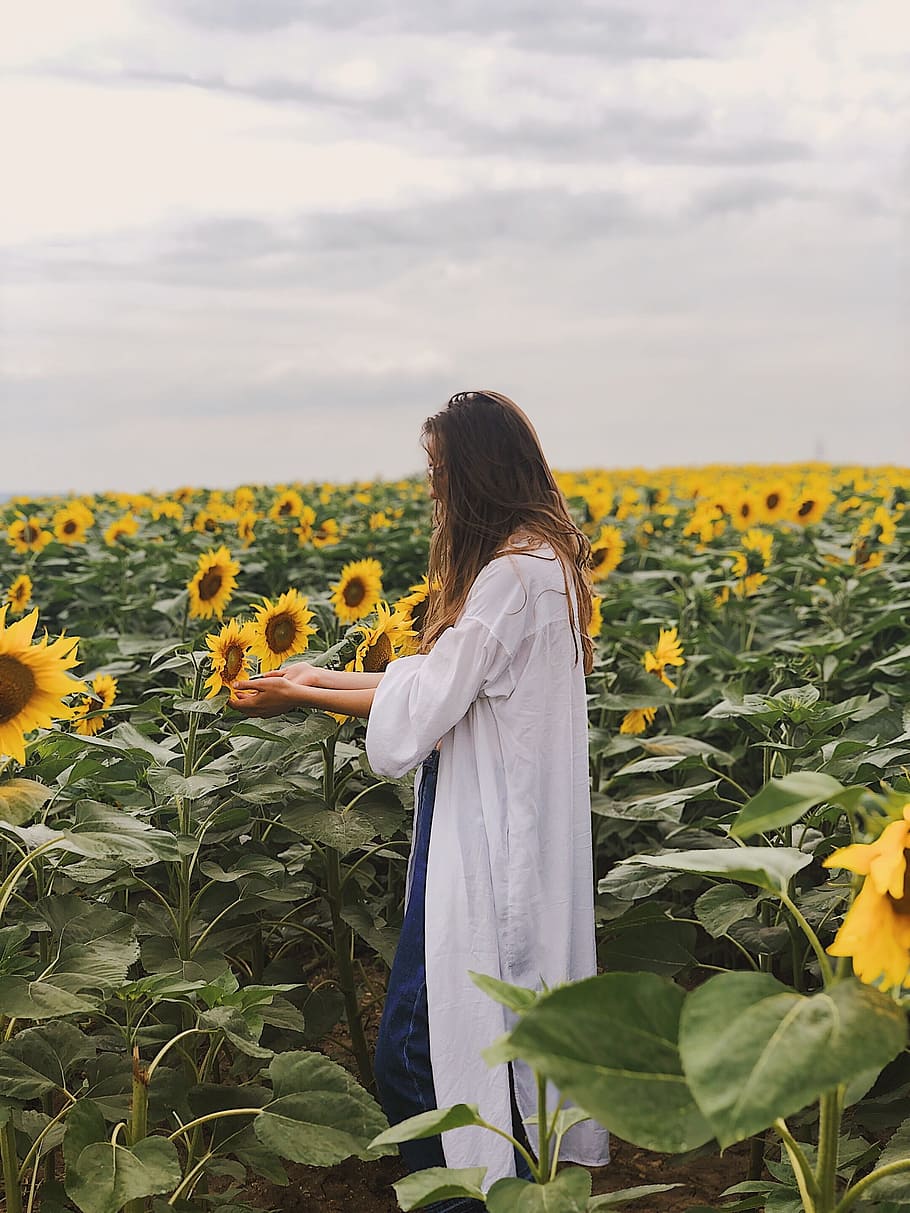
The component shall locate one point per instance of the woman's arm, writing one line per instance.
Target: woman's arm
(304, 674)
(274, 696)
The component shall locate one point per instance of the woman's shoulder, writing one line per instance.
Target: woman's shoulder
(514, 578)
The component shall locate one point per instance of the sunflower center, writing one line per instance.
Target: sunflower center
(17, 683)
(286, 507)
(30, 533)
(419, 614)
(901, 905)
(772, 500)
(745, 510)
(233, 662)
(806, 508)
(69, 527)
(210, 584)
(598, 556)
(280, 632)
(354, 592)
(378, 655)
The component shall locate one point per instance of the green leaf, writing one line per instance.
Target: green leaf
(781, 802)
(613, 1200)
(662, 806)
(104, 1177)
(120, 835)
(169, 783)
(658, 945)
(567, 1193)
(21, 999)
(658, 763)
(516, 998)
(754, 1050)
(320, 1115)
(232, 1022)
(343, 831)
(95, 945)
(722, 906)
(382, 939)
(609, 1043)
(84, 1125)
(20, 800)
(439, 1183)
(770, 868)
(39, 1059)
(428, 1124)
(895, 1187)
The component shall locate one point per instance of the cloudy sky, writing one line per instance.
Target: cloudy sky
(263, 239)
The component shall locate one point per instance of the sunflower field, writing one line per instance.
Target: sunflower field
(197, 908)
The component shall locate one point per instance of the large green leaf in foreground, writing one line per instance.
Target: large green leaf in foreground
(610, 1045)
(754, 1050)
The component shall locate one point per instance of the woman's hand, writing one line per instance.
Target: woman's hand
(299, 672)
(272, 694)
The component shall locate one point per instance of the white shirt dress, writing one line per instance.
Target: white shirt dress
(509, 888)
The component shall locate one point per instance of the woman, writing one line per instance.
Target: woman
(493, 707)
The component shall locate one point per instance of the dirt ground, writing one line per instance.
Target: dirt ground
(361, 1187)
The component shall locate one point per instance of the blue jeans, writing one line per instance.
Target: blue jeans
(404, 1077)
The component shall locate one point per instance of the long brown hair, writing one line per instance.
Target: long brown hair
(491, 481)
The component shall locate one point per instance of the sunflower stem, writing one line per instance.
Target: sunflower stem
(830, 1110)
(852, 1196)
(805, 1177)
(342, 935)
(824, 963)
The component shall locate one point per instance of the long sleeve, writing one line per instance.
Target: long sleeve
(422, 697)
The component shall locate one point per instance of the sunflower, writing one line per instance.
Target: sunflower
(304, 531)
(596, 625)
(382, 643)
(288, 504)
(167, 509)
(212, 584)
(774, 501)
(230, 655)
(667, 651)
(874, 532)
(246, 524)
(327, 534)
(607, 551)
(809, 506)
(120, 528)
(707, 521)
(33, 681)
(876, 930)
(380, 521)
(19, 594)
(745, 510)
(88, 719)
(748, 565)
(357, 591)
(207, 522)
(413, 610)
(244, 499)
(281, 629)
(71, 523)
(28, 535)
(636, 720)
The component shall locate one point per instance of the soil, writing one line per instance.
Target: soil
(366, 1187)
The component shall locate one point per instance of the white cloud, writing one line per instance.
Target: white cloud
(669, 239)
